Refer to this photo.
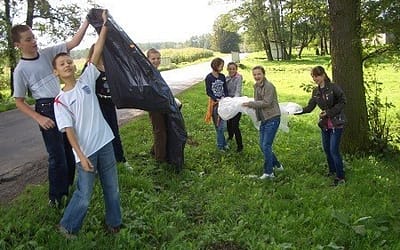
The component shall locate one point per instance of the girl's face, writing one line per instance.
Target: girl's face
(258, 75)
(318, 79)
(220, 68)
(232, 70)
(155, 59)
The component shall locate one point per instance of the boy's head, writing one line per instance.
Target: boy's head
(63, 65)
(24, 39)
(154, 57)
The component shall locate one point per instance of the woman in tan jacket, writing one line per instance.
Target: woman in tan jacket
(267, 110)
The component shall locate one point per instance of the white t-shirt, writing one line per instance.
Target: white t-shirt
(37, 74)
(79, 108)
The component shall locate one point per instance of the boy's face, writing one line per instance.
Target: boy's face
(65, 67)
(27, 43)
(155, 59)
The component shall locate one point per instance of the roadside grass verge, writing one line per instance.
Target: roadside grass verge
(214, 204)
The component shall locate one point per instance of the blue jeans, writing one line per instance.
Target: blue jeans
(61, 170)
(331, 143)
(268, 131)
(220, 126)
(105, 165)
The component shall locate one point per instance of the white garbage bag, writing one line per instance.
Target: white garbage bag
(228, 107)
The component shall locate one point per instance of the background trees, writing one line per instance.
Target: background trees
(57, 21)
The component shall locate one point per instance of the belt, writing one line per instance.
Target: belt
(44, 101)
(104, 96)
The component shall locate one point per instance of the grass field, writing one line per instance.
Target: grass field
(213, 204)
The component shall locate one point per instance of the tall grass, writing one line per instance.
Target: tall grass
(213, 204)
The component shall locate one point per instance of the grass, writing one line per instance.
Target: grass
(213, 204)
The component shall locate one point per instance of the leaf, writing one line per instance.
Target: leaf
(359, 229)
(362, 219)
(341, 217)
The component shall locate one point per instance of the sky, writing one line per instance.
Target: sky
(163, 20)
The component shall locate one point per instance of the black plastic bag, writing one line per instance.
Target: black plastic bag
(135, 83)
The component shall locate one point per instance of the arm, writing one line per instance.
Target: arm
(209, 91)
(85, 162)
(239, 86)
(99, 45)
(77, 38)
(268, 97)
(44, 122)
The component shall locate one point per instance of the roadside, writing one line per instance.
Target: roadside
(23, 158)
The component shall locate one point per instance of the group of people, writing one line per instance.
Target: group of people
(329, 97)
(80, 129)
(78, 122)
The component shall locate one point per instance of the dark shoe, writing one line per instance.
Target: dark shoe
(54, 203)
(239, 149)
(113, 230)
(339, 182)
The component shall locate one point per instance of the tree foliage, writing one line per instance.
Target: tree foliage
(55, 22)
(226, 38)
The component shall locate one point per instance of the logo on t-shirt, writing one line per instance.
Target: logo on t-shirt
(86, 89)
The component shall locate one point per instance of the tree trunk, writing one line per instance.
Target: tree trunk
(11, 52)
(347, 71)
(29, 12)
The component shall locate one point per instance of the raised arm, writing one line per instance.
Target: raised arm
(77, 38)
(99, 45)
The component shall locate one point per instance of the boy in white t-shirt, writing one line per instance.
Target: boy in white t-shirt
(78, 113)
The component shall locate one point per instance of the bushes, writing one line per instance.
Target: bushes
(186, 55)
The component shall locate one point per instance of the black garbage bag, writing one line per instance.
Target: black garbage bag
(135, 83)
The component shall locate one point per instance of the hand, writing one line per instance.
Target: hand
(322, 114)
(46, 123)
(87, 165)
(245, 104)
(104, 16)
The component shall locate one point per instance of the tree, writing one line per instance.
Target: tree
(226, 39)
(56, 21)
(348, 72)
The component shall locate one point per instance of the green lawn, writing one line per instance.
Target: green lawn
(213, 204)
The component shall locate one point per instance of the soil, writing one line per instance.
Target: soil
(13, 184)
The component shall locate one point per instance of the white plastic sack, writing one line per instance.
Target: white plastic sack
(229, 106)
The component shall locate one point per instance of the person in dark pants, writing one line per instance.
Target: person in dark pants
(34, 73)
(331, 100)
(234, 82)
(107, 107)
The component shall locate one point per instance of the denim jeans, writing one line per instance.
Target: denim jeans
(220, 126)
(110, 115)
(331, 143)
(268, 131)
(105, 166)
(61, 159)
(234, 130)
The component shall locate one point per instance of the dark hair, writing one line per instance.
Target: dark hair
(260, 68)
(216, 62)
(53, 62)
(232, 63)
(16, 31)
(320, 71)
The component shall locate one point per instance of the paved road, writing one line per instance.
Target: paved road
(22, 147)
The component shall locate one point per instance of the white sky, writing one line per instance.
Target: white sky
(163, 20)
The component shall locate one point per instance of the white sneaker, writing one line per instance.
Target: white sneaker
(267, 176)
(280, 168)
